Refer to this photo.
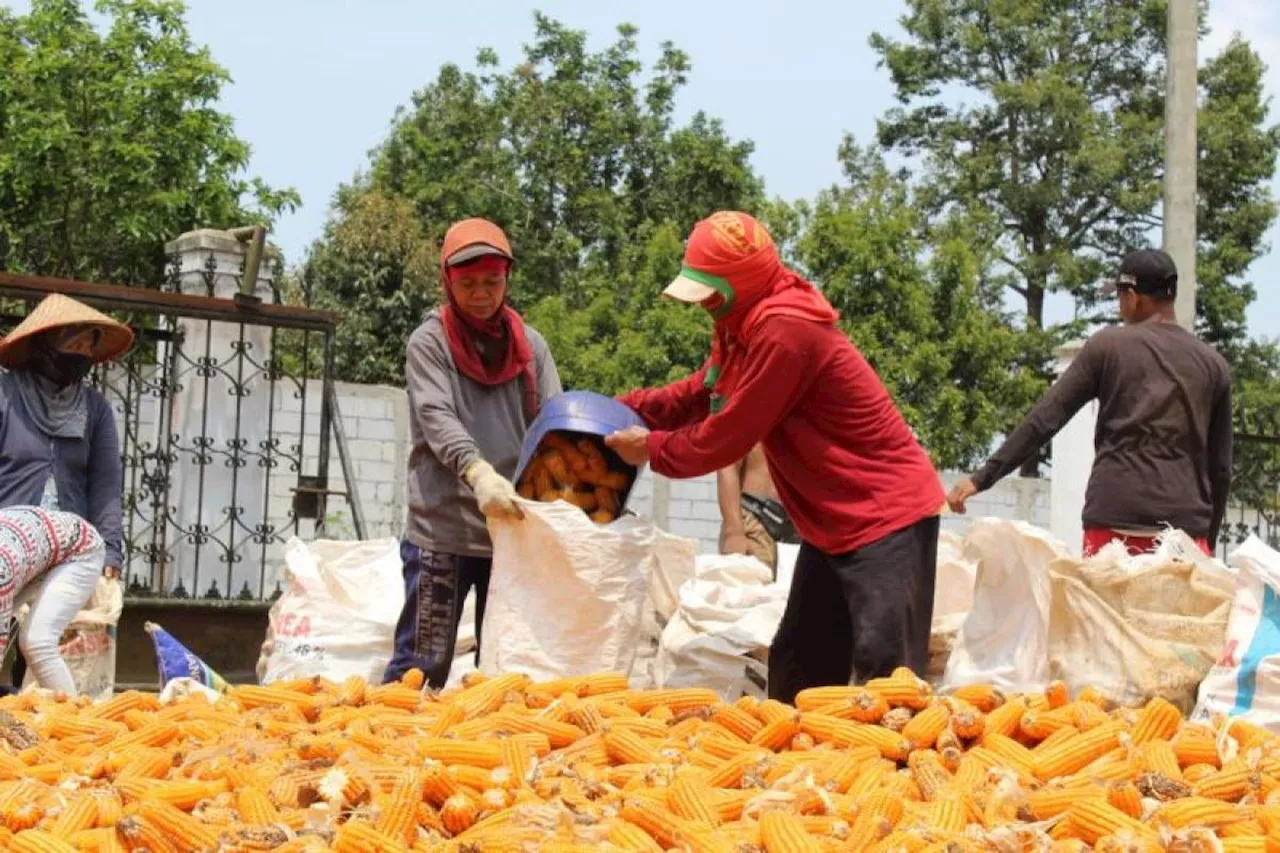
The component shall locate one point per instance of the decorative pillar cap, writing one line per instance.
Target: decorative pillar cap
(213, 240)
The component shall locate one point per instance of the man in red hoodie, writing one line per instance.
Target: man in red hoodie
(858, 487)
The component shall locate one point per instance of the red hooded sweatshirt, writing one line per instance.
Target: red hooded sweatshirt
(847, 467)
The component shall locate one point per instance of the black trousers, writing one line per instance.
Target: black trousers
(857, 616)
(435, 587)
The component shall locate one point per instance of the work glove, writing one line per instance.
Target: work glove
(494, 492)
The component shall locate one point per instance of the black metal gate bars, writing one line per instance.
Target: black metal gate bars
(1255, 485)
(224, 408)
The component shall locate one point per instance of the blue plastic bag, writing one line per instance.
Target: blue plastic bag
(174, 660)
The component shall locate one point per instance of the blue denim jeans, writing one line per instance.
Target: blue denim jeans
(435, 588)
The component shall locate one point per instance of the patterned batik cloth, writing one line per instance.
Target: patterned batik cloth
(32, 541)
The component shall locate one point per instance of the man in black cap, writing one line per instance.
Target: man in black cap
(1163, 439)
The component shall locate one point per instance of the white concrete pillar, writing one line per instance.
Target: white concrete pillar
(220, 414)
(1071, 461)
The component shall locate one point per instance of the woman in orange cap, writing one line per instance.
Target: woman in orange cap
(59, 448)
(858, 487)
(477, 376)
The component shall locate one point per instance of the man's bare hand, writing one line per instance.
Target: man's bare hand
(960, 494)
(734, 543)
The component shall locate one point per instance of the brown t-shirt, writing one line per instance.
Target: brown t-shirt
(1163, 438)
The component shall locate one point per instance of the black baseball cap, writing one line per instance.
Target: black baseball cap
(1149, 271)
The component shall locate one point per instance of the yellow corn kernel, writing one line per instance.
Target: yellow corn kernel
(1049, 802)
(625, 747)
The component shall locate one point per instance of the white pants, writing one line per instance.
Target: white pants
(63, 592)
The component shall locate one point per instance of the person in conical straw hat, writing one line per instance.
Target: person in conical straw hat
(59, 447)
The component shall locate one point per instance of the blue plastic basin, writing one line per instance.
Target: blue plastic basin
(586, 413)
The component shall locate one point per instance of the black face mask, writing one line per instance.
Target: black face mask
(60, 368)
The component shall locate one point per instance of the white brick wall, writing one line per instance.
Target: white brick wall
(376, 420)
(689, 507)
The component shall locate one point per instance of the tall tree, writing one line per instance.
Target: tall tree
(920, 300)
(111, 142)
(1050, 116)
(578, 156)
(377, 267)
(1045, 121)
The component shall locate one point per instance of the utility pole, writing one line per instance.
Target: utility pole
(1180, 153)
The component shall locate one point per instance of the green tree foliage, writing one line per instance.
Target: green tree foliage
(111, 142)
(379, 270)
(1058, 134)
(1044, 122)
(921, 303)
(578, 156)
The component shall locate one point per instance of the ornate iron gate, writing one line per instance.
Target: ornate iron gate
(225, 412)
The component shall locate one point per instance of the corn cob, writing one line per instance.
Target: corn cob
(659, 823)
(35, 841)
(693, 801)
(1093, 819)
(1231, 783)
(923, 729)
(1126, 797)
(1076, 753)
(777, 734)
(984, 697)
(783, 832)
(1195, 745)
(458, 813)
(1159, 720)
(631, 838)
(79, 814)
(929, 774)
(400, 817)
(1197, 811)
(356, 836)
(1004, 719)
(178, 826)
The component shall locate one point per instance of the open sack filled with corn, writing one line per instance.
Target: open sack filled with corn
(581, 764)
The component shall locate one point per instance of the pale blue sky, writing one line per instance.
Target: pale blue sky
(316, 81)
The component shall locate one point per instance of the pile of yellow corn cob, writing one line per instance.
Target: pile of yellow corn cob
(503, 764)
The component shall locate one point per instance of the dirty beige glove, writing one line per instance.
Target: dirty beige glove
(494, 492)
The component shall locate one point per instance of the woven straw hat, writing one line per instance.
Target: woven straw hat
(55, 312)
